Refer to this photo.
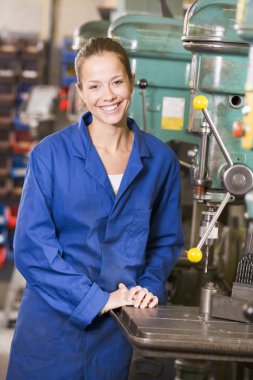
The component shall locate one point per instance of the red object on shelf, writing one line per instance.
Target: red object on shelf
(11, 216)
(21, 141)
(64, 102)
(3, 255)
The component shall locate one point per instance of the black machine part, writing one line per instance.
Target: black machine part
(235, 307)
(232, 308)
(238, 179)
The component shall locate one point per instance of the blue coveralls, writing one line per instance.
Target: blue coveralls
(75, 242)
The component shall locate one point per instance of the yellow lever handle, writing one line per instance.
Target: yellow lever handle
(200, 102)
(194, 255)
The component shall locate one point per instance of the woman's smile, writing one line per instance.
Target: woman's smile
(110, 108)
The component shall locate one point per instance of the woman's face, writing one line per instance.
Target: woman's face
(106, 88)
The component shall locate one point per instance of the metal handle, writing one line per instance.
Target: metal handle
(143, 84)
(214, 220)
(217, 137)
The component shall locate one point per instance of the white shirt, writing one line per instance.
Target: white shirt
(115, 180)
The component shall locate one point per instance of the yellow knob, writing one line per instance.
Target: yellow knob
(194, 255)
(200, 102)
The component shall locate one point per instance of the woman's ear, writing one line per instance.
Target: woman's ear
(79, 91)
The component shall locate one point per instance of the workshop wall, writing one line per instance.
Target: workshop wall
(26, 16)
(33, 16)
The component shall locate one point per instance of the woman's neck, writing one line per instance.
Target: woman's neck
(111, 138)
(113, 144)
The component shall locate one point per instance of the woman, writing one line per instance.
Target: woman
(99, 227)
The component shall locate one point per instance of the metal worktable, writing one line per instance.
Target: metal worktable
(179, 332)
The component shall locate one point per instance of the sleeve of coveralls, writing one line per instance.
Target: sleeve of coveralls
(38, 254)
(166, 237)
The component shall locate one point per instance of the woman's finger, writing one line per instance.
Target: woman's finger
(146, 300)
(133, 291)
(153, 302)
(122, 286)
(139, 297)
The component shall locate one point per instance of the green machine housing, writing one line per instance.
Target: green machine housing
(218, 71)
(244, 27)
(88, 30)
(160, 101)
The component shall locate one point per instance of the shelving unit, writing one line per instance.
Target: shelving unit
(21, 67)
(67, 63)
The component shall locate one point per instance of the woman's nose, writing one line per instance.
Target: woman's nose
(108, 94)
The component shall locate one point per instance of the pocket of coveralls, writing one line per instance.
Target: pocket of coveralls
(37, 329)
(137, 236)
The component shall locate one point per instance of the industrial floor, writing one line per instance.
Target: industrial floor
(5, 333)
(5, 342)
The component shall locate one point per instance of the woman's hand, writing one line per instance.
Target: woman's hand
(118, 298)
(136, 296)
(142, 298)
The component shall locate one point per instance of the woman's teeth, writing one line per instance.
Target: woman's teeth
(110, 108)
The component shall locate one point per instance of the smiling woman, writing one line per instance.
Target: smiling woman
(107, 95)
(87, 244)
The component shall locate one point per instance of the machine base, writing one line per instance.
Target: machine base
(179, 332)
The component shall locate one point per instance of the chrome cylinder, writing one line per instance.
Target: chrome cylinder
(206, 295)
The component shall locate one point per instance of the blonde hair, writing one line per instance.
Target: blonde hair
(97, 46)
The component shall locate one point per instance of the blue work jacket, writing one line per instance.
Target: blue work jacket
(75, 242)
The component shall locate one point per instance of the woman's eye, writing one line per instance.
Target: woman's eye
(117, 82)
(93, 87)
